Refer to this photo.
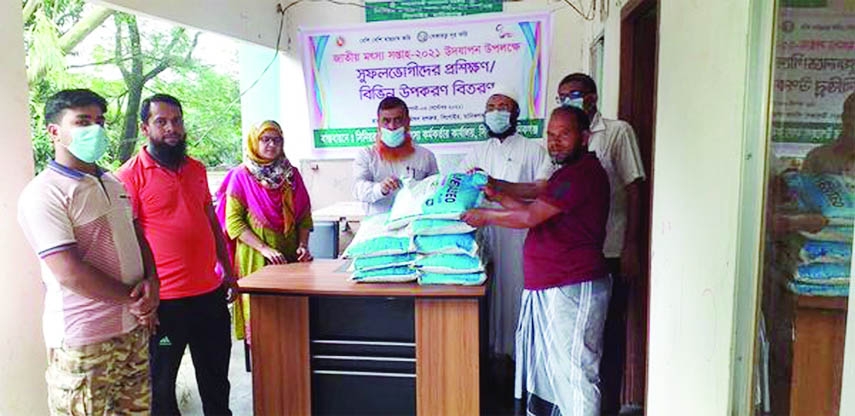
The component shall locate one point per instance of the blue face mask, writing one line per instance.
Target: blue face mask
(392, 138)
(88, 143)
(498, 121)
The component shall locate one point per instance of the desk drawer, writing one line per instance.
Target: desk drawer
(362, 393)
(365, 363)
(363, 355)
(364, 318)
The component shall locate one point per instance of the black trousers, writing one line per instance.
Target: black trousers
(203, 323)
(614, 342)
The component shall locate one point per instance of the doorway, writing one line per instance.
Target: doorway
(637, 106)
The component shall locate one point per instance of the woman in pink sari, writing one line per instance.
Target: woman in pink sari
(264, 210)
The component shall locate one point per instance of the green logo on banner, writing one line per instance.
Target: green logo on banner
(378, 11)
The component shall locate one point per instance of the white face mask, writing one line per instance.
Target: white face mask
(392, 138)
(498, 121)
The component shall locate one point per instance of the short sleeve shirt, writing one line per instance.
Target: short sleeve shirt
(172, 208)
(616, 146)
(568, 248)
(65, 209)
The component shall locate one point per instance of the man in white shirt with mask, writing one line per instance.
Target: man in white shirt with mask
(508, 158)
(378, 169)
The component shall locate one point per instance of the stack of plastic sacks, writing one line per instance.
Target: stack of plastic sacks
(380, 254)
(448, 253)
(422, 237)
(826, 256)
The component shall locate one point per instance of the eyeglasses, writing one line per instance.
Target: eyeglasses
(271, 140)
(559, 99)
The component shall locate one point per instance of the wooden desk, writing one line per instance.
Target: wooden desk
(446, 337)
(819, 332)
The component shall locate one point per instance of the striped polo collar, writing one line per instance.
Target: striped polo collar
(71, 172)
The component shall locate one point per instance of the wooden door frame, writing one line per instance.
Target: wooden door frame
(629, 16)
(629, 13)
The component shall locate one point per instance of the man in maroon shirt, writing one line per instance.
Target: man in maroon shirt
(567, 284)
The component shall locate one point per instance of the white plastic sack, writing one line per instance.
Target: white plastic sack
(466, 279)
(449, 264)
(433, 226)
(388, 274)
(831, 195)
(437, 197)
(410, 199)
(446, 244)
(382, 262)
(374, 239)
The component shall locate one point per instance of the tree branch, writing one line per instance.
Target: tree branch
(118, 50)
(189, 56)
(109, 61)
(167, 60)
(83, 28)
(135, 48)
(30, 8)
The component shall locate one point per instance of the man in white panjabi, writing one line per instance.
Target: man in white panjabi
(507, 157)
(379, 168)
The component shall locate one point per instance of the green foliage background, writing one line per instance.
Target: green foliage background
(209, 98)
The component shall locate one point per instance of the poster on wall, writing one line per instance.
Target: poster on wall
(814, 73)
(444, 69)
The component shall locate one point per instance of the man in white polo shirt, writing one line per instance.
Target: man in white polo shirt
(101, 286)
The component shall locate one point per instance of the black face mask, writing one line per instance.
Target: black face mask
(168, 155)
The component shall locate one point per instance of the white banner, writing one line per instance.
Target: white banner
(443, 69)
(814, 73)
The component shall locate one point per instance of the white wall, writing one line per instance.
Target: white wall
(698, 168)
(699, 144)
(22, 352)
(609, 89)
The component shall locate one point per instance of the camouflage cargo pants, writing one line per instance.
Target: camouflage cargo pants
(107, 378)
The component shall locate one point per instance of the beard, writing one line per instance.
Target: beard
(167, 154)
(394, 154)
(563, 160)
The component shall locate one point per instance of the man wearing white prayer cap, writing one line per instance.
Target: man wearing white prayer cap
(508, 158)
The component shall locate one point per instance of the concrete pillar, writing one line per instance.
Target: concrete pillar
(22, 352)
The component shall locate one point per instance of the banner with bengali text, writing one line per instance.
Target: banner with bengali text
(444, 69)
(814, 73)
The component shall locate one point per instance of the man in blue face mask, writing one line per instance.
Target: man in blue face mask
(378, 169)
(101, 286)
(506, 157)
